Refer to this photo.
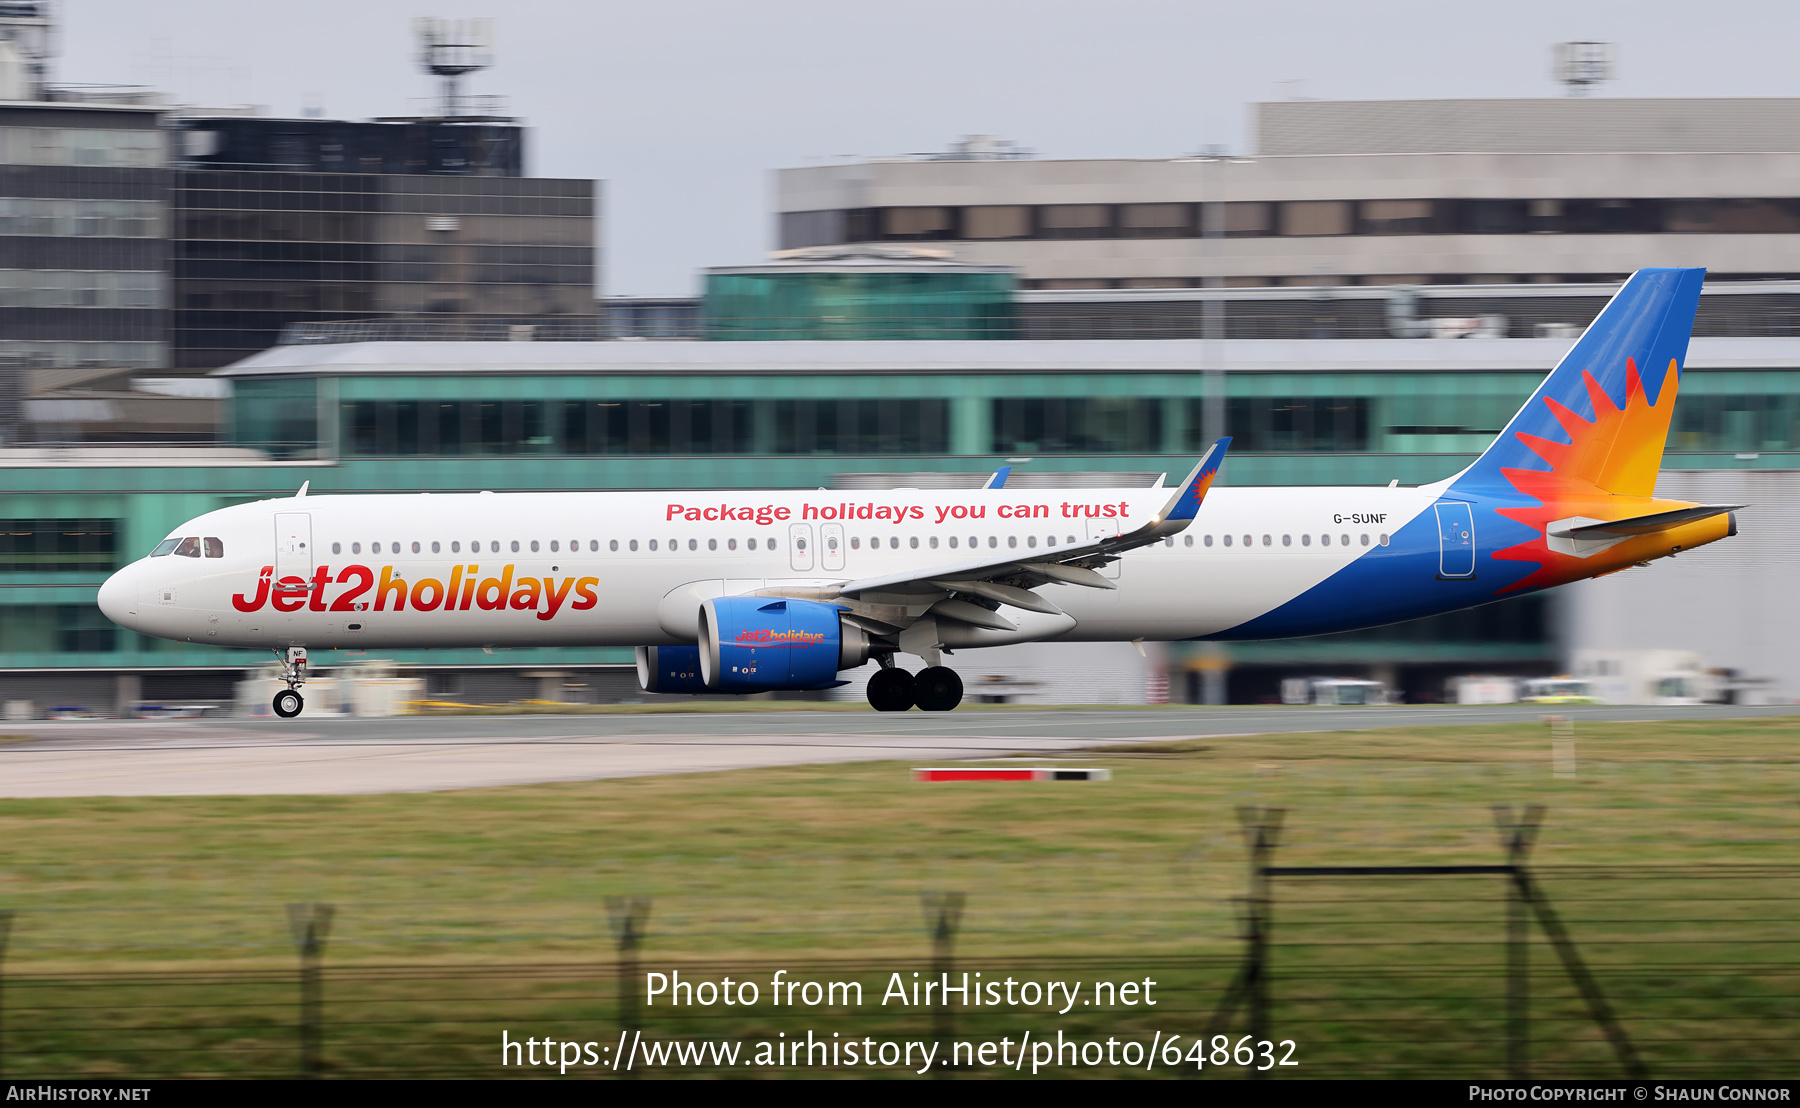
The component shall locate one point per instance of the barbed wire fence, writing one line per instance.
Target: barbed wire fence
(1377, 967)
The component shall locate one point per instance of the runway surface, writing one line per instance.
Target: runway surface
(323, 755)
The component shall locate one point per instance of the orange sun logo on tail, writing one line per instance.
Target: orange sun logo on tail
(1617, 453)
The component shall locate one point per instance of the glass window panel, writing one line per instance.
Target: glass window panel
(490, 434)
(449, 427)
(1074, 221)
(572, 427)
(406, 427)
(997, 221)
(1078, 425)
(801, 229)
(534, 427)
(1144, 221)
(649, 427)
(59, 545)
(918, 223)
(359, 427)
(1315, 217)
(1245, 219)
(1395, 217)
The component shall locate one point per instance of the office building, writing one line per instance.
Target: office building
(1344, 193)
(84, 233)
(282, 222)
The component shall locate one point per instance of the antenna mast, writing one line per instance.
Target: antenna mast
(1583, 66)
(451, 48)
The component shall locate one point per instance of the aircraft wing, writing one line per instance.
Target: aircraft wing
(970, 591)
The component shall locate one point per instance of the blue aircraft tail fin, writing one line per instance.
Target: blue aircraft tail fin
(1601, 418)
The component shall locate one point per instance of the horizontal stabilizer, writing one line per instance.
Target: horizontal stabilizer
(1644, 525)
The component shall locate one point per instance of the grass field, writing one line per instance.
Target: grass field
(151, 934)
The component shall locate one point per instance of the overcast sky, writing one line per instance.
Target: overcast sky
(683, 108)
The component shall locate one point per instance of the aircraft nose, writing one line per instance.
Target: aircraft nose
(118, 599)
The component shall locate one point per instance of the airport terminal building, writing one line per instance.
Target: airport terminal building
(909, 349)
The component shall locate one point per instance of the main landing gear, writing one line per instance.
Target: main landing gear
(933, 689)
(288, 702)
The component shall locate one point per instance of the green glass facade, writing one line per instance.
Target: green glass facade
(831, 304)
(673, 430)
(66, 525)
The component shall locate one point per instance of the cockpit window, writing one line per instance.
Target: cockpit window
(215, 548)
(164, 547)
(189, 548)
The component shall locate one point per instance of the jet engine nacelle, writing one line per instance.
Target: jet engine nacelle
(760, 643)
(669, 669)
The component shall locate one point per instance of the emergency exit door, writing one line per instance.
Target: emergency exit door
(800, 551)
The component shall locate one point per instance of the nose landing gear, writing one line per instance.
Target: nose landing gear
(288, 702)
(934, 689)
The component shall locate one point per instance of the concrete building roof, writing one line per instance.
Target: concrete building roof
(1566, 125)
(1469, 355)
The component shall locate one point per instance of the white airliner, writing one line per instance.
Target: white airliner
(748, 591)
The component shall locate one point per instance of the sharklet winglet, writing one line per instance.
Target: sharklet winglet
(1185, 504)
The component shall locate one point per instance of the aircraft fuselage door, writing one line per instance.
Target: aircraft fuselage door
(831, 546)
(800, 551)
(293, 545)
(1456, 539)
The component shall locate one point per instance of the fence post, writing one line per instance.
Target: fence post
(1517, 835)
(1600, 1011)
(943, 916)
(310, 924)
(1261, 828)
(627, 916)
(6, 922)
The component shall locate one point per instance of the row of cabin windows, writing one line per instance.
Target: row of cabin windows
(534, 546)
(993, 541)
(856, 543)
(1269, 540)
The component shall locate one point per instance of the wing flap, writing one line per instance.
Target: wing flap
(1005, 594)
(975, 614)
